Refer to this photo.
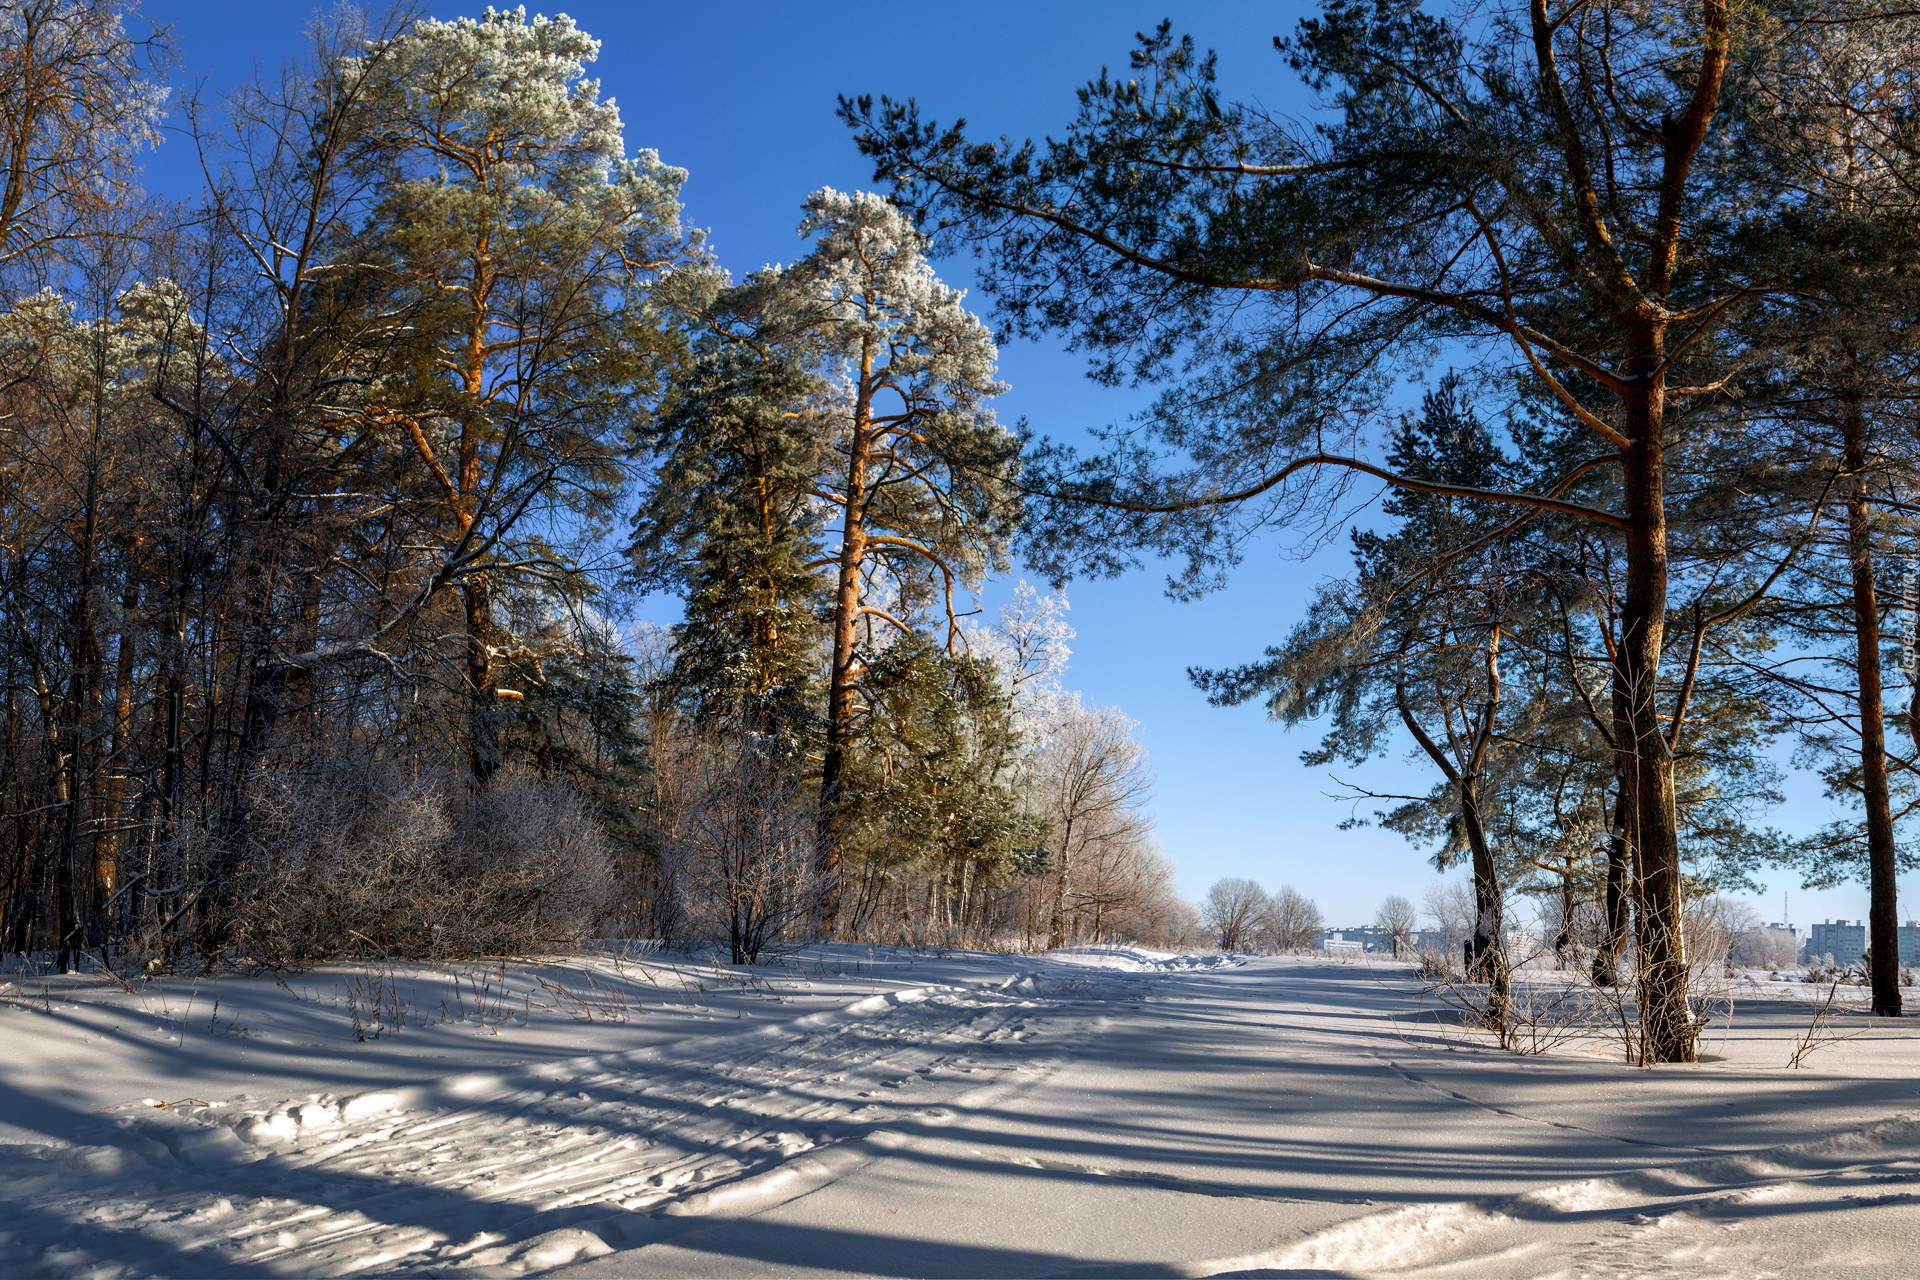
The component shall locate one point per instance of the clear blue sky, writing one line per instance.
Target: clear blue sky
(742, 96)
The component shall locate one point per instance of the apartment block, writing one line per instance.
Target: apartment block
(1844, 940)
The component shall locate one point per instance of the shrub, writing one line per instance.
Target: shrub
(367, 858)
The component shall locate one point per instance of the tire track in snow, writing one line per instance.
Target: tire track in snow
(1172, 1182)
(507, 1173)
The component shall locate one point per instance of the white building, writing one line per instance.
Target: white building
(1372, 939)
(1844, 940)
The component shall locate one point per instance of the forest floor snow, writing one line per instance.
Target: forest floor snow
(858, 1111)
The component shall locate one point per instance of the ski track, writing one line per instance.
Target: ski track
(512, 1173)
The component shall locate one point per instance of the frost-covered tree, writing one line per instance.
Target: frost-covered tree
(515, 239)
(1397, 919)
(858, 364)
(1451, 907)
(729, 520)
(830, 451)
(921, 481)
(1029, 645)
(1080, 769)
(1235, 909)
(78, 101)
(1090, 782)
(1293, 921)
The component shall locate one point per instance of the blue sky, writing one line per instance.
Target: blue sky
(742, 96)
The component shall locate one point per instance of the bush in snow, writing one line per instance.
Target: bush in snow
(367, 857)
(743, 858)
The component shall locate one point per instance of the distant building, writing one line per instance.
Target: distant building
(1371, 939)
(1844, 940)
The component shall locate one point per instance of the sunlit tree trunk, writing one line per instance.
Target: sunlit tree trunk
(1883, 921)
(844, 666)
(1667, 1022)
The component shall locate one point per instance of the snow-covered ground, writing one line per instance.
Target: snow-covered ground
(1103, 1112)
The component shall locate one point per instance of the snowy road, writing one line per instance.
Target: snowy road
(1269, 1119)
(999, 1116)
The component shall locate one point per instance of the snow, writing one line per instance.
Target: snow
(854, 1111)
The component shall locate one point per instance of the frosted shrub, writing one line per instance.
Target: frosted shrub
(1825, 970)
(526, 868)
(1772, 949)
(1715, 929)
(367, 858)
(744, 858)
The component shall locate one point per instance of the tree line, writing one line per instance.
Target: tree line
(326, 490)
(1652, 263)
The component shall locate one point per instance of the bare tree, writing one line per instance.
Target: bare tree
(1715, 927)
(1763, 948)
(1397, 919)
(1092, 782)
(746, 853)
(1451, 906)
(1293, 921)
(1235, 910)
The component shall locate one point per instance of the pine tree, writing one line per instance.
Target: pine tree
(1543, 192)
(835, 426)
(729, 520)
(518, 238)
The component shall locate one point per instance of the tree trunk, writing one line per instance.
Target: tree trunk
(1486, 950)
(112, 815)
(483, 719)
(844, 669)
(82, 696)
(1667, 1027)
(1563, 936)
(1883, 921)
(1613, 944)
(1057, 921)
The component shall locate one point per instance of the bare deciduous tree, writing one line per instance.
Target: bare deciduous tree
(745, 855)
(1236, 910)
(1293, 921)
(1396, 918)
